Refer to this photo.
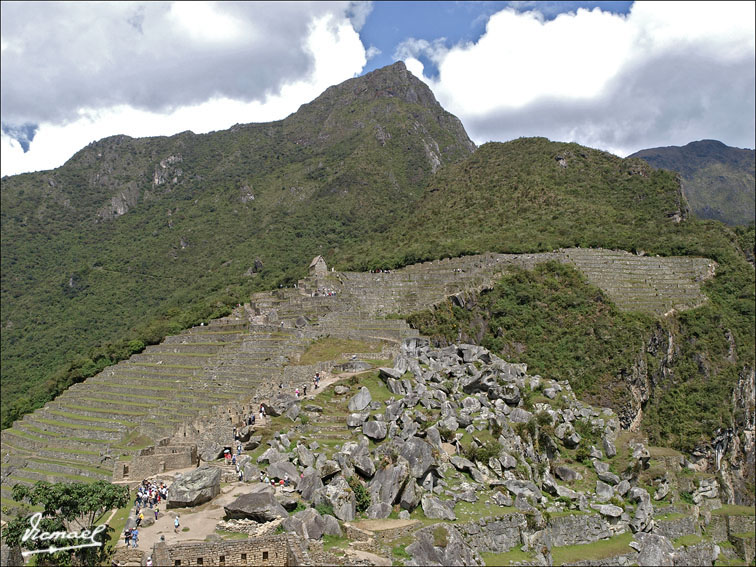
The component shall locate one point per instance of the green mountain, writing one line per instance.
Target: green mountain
(719, 181)
(133, 239)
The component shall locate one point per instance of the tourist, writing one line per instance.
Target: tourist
(134, 538)
(305, 390)
(176, 524)
(262, 476)
(241, 475)
(149, 561)
(296, 392)
(156, 512)
(139, 519)
(127, 536)
(233, 459)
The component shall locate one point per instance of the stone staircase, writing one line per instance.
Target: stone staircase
(83, 433)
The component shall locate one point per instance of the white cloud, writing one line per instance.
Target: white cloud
(275, 58)
(666, 73)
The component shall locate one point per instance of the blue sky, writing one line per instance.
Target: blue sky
(390, 23)
(618, 76)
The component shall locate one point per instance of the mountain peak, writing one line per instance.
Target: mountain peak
(392, 81)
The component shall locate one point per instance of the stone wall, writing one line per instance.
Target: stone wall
(272, 550)
(495, 535)
(578, 529)
(155, 460)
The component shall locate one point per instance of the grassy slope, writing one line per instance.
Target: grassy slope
(516, 197)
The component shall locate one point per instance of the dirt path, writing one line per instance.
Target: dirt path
(387, 524)
(201, 520)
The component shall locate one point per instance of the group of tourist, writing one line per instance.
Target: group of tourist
(323, 292)
(275, 481)
(149, 494)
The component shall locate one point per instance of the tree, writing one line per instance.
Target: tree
(67, 507)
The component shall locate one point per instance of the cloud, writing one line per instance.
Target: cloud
(82, 71)
(664, 74)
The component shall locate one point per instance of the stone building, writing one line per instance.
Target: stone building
(277, 550)
(318, 267)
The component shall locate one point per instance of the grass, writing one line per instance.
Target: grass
(118, 523)
(512, 557)
(468, 511)
(67, 425)
(688, 540)
(733, 510)
(329, 348)
(331, 541)
(67, 476)
(568, 554)
(231, 535)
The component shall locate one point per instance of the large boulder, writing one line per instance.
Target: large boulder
(309, 484)
(305, 456)
(282, 469)
(653, 549)
(271, 456)
(419, 455)
(480, 383)
(258, 506)
(308, 524)
(437, 509)
(523, 488)
(199, 486)
(433, 547)
(356, 419)
(375, 430)
(329, 469)
(389, 481)
(410, 496)
(378, 510)
(360, 400)
(331, 526)
(210, 450)
(340, 496)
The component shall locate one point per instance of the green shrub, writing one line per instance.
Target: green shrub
(361, 493)
(324, 509)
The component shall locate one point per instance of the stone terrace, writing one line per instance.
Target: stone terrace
(81, 434)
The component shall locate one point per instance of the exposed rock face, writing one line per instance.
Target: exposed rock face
(195, 488)
(360, 400)
(433, 547)
(389, 481)
(340, 496)
(309, 484)
(654, 550)
(437, 509)
(258, 506)
(376, 430)
(308, 524)
(419, 455)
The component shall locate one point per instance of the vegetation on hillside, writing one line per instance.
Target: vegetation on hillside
(533, 195)
(719, 181)
(210, 219)
(564, 328)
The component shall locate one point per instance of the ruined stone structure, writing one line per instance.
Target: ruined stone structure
(274, 551)
(318, 267)
(164, 456)
(233, 362)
